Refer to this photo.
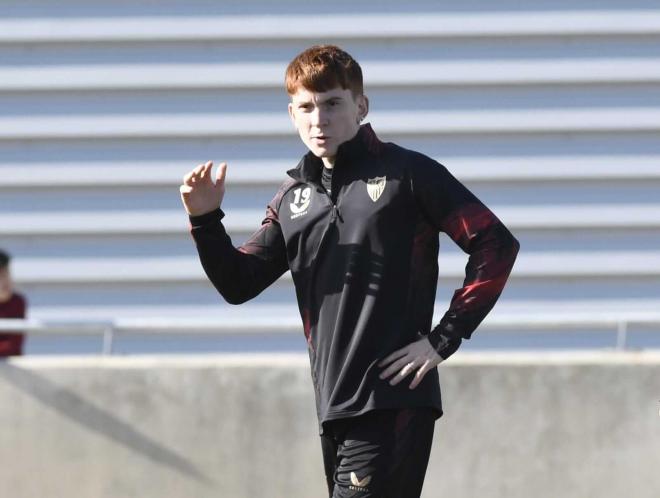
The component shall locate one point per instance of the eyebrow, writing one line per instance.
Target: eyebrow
(330, 99)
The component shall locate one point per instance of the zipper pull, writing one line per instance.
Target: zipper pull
(336, 214)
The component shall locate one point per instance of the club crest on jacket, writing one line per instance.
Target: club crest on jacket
(375, 187)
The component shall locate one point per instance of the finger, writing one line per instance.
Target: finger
(403, 373)
(419, 375)
(396, 367)
(192, 175)
(198, 172)
(221, 174)
(187, 177)
(207, 167)
(185, 189)
(397, 354)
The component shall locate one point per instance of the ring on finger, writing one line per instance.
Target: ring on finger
(407, 367)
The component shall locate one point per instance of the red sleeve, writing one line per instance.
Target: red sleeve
(12, 344)
(14, 308)
(21, 306)
(453, 209)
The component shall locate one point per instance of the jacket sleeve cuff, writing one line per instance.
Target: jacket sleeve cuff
(206, 218)
(444, 345)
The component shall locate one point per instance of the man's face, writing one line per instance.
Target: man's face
(325, 120)
(6, 286)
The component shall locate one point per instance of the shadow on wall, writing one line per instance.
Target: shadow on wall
(76, 408)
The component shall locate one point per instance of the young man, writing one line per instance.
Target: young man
(357, 223)
(12, 305)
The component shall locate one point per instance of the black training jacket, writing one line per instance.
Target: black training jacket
(365, 266)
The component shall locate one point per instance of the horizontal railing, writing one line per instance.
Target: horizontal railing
(188, 76)
(149, 221)
(230, 125)
(355, 26)
(108, 329)
(176, 269)
(247, 173)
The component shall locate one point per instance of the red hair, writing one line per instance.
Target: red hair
(323, 67)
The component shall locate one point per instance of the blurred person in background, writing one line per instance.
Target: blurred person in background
(12, 305)
(357, 222)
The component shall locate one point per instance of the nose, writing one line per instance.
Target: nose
(319, 117)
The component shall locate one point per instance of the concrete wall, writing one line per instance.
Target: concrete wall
(550, 425)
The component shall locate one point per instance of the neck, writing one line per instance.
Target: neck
(329, 162)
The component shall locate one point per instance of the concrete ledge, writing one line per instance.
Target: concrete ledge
(516, 424)
(164, 361)
(507, 358)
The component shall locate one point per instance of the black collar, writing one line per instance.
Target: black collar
(364, 142)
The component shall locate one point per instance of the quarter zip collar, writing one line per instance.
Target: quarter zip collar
(364, 142)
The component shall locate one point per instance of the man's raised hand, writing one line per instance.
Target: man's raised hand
(199, 193)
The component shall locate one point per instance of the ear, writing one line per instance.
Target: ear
(292, 115)
(363, 106)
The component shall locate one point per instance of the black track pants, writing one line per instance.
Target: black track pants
(381, 454)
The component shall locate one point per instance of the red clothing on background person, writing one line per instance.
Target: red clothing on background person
(12, 344)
